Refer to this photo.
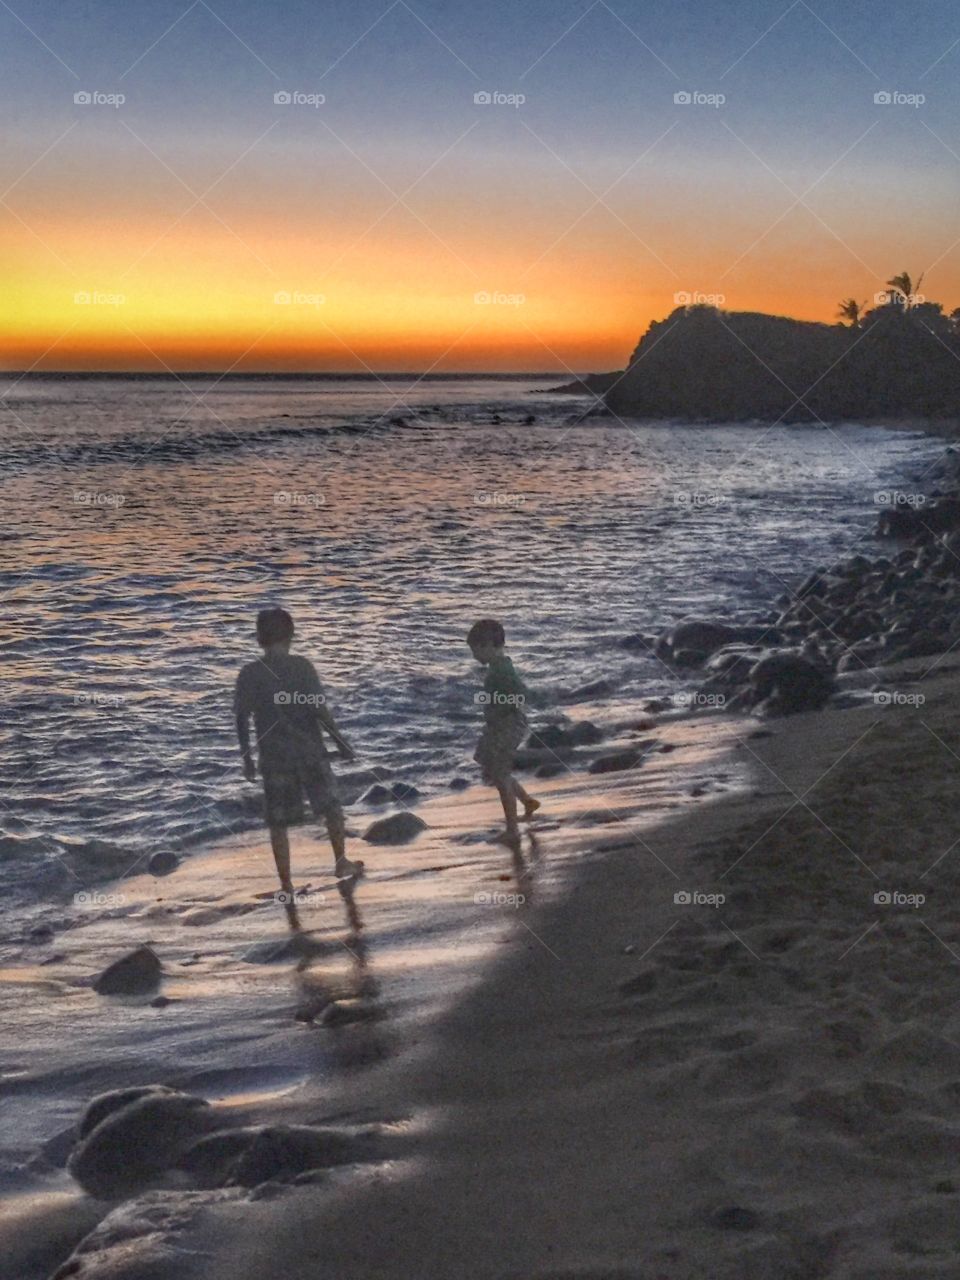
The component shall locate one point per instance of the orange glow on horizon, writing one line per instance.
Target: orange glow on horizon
(92, 291)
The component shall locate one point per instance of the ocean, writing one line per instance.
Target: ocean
(147, 520)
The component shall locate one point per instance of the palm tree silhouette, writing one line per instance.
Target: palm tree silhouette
(904, 287)
(852, 310)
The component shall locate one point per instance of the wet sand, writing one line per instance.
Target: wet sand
(245, 1003)
(648, 1088)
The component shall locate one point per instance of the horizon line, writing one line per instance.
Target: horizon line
(175, 375)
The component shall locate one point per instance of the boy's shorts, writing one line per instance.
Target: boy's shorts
(496, 749)
(284, 787)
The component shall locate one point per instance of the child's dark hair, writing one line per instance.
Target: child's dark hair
(274, 626)
(487, 631)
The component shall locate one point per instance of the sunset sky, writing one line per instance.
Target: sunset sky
(185, 212)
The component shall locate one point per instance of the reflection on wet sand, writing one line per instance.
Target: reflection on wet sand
(526, 868)
(342, 999)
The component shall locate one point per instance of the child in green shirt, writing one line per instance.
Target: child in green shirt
(504, 699)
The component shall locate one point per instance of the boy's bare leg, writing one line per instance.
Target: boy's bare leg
(330, 809)
(530, 805)
(508, 798)
(280, 844)
(337, 831)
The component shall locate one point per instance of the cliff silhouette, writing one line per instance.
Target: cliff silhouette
(701, 363)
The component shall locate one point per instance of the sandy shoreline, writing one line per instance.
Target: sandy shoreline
(767, 1088)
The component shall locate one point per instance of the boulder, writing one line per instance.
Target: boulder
(584, 734)
(785, 683)
(459, 784)
(135, 1143)
(139, 1239)
(616, 762)
(558, 737)
(163, 862)
(550, 770)
(209, 1161)
(900, 522)
(134, 974)
(395, 828)
(551, 736)
(248, 1157)
(687, 640)
(377, 794)
(106, 1103)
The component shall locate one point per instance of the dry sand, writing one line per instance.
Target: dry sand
(651, 1089)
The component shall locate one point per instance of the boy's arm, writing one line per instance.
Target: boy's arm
(325, 717)
(243, 736)
(242, 713)
(324, 714)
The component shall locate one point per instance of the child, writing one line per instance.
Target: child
(283, 694)
(505, 723)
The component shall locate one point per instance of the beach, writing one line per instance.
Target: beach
(581, 1057)
(765, 1088)
(248, 1012)
(649, 1086)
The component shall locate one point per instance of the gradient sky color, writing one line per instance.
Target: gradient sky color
(385, 213)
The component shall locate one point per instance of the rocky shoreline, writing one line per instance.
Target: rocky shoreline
(847, 618)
